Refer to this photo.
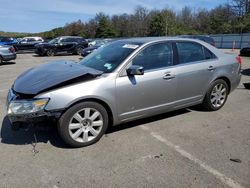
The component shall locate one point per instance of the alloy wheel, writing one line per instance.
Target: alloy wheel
(218, 95)
(85, 125)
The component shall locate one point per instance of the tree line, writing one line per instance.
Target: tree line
(232, 17)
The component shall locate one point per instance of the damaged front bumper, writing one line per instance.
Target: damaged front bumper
(26, 119)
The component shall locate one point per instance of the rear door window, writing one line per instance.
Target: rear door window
(31, 40)
(69, 40)
(208, 54)
(190, 52)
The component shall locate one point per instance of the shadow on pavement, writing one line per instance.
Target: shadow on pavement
(146, 120)
(24, 137)
(8, 63)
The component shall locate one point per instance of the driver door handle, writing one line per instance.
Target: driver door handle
(211, 68)
(168, 76)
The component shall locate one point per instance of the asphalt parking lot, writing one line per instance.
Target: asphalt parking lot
(186, 148)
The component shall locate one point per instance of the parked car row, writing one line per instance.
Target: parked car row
(70, 45)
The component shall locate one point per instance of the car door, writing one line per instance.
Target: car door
(63, 45)
(22, 44)
(69, 44)
(194, 71)
(143, 95)
(30, 44)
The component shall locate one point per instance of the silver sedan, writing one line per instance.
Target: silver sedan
(123, 81)
(7, 53)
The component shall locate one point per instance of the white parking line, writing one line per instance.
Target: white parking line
(223, 178)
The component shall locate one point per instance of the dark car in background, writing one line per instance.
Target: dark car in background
(27, 43)
(245, 51)
(8, 41)
(206, 39)
(96, 44)
(64, 44)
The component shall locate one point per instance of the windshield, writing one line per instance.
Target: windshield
(53, 41)
(109, 57)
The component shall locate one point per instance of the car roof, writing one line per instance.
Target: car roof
(70, 37)
(31, 37)
(144, 40)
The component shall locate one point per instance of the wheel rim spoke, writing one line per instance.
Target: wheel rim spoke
(93, 131)
(95, 115)
(97, 123)
(78, 117)
(77, 134)
(85, 136)
(213, 99)
(74, 126)
(223, 90)
(86, 113)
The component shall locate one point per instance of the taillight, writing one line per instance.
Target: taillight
(11, 49)
(238, 59)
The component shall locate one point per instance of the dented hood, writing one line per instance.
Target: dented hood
(51, 75)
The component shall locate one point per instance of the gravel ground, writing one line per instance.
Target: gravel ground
(185, 148)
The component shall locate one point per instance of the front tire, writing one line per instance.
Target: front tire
(216, 95)
(50, 52)
(79, 50)
(83, 124)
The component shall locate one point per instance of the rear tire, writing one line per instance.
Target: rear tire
(1, 60)
(216, 95)
(83, 124)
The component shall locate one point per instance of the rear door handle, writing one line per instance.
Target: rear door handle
(211, 68)
(168, 76)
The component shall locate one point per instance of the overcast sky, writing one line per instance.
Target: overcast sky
(43, 15)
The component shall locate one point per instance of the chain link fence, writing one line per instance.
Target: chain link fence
(231, 41)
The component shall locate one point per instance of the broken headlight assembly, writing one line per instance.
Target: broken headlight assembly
(27, 106)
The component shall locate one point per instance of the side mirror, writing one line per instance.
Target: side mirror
(135, 70)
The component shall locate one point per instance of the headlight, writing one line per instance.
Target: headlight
(27, 106)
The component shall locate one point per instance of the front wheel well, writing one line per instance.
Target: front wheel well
(104, 104)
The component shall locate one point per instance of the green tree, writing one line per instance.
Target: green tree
(157, 24)
(220, 19)
(104, 27)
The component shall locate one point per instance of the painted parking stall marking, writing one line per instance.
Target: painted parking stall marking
(223, 178)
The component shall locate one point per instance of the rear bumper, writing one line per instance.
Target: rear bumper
(235, 82)
(9, 57)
